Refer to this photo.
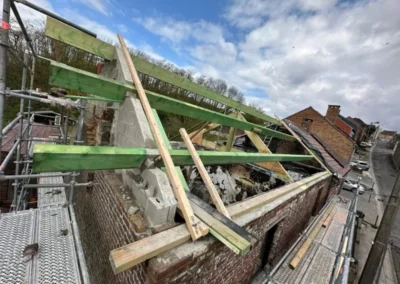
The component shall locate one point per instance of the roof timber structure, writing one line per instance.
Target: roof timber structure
(76, 158)
(74, 37)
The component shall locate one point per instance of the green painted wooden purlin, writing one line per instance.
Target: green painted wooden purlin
(52, 158)
(67, 34)
(72, 78)
(76, 38)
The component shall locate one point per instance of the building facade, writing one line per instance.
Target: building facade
(324, 128)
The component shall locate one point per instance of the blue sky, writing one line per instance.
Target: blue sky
(284, 55)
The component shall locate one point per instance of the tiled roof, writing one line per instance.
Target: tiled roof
(348, 121)
(38, 131)
(322, 151)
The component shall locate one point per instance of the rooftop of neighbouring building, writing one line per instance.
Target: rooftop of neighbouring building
(38, 131)
(322, 150)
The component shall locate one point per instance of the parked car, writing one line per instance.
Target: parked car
(361, 165)
(352, 186)
(366, 144)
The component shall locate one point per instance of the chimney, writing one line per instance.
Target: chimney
(332, 113)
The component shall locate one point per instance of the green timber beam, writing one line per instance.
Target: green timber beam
(67, 34)
(52, 158)
(72, 78)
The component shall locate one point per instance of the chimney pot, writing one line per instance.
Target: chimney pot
(332, 113)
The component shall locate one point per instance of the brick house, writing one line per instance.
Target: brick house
(326, 130)
(360, 129)
(387, 135)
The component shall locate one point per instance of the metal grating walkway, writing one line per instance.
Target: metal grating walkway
(56, 262)
(317, 264)
(51, 196)
(16, 231)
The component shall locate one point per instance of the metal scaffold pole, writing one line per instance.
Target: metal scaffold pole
(21, 125)
(3, 61)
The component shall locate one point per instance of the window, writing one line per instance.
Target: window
(306, 123)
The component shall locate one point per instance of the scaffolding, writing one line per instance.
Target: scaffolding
(53, 200)
(55, 212)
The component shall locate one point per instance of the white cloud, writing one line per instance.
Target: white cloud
(102, 31)
(302, 53)
(103, 6)
(32, 17)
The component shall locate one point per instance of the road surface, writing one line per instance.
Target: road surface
(385, 175)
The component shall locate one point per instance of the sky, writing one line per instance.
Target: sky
(284, 55)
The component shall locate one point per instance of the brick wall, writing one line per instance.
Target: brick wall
(215, 263)
(104, 225)
(332, 136)
(343, 126)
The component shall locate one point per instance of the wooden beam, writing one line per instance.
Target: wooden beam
(72, 78)
(220, 226)
(251, 204)
(129, 255)
(180, 195)
(69, 35)
(306, 245)
(50, 158)
(204, 174)
(134, 253)
(202, 226)
(74, 37)
(329, 218)
(262, 148)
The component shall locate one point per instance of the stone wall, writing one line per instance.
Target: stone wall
(330, 134)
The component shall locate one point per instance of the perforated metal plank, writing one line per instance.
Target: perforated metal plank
(51, 196)
(341, 216)
(287, 275)
(320, 269)
(16, 232)
(57, 260)
(333, 236)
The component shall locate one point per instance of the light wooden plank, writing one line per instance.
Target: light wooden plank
(203, 228)
(262, 148)
(251, 204)
(166, 157)
(306, 245)
(203, 173)
(329, 218)
(134, 253)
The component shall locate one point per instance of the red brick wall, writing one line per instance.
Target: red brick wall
(217, 264)
(104, 225)
(343, 126)
(333, 137)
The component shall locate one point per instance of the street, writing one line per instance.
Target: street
(385, 175)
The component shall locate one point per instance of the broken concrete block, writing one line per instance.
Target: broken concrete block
(132, 210)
